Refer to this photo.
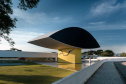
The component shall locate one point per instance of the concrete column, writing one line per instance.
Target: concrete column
(89, 60)
(56, 59)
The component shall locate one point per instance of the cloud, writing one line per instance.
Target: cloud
(32, 18)
(106, 7)
(103, 26)
(93, 23)
(106, 15)
(35, 18)
(24, 36)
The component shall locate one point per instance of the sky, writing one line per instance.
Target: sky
(104, 19)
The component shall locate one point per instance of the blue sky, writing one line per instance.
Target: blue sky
(104, 19)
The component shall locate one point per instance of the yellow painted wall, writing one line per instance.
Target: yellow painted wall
(76, 67)
(69, 55)
(77, 55)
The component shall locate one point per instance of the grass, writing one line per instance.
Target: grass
(31, 73)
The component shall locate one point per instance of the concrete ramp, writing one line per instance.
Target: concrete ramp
(121, 67)
(106, 74)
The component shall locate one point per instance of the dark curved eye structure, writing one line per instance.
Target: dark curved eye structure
(71, 37)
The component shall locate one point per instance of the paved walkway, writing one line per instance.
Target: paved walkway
(121, 66)
(106, 74)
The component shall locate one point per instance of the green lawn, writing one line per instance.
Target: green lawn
(31, 74)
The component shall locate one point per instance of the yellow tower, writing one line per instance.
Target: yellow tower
(69, 55)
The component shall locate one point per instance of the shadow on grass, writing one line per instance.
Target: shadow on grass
(17, 63)
(34, 79)
(27, 63)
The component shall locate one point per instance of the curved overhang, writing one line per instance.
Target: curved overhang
(72, 37)
(51, 43)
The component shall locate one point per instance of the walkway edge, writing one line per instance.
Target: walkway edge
(80, 77)
(121, 75)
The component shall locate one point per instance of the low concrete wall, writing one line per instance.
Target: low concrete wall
(93, 60)
(112, 58)
(27, 54)
(83, 75)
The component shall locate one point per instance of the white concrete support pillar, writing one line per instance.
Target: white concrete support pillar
(55, 59)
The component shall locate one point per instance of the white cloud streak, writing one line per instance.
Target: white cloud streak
(29, 17)
(38, 17)
(106, 7)
(96, 23)
(104, 27)
(24, 36)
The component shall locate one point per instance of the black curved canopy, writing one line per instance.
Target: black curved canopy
(67, 38)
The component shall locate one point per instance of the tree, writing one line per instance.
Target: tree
(99, 52)
(91, 52)
(15, 49)
(123, 54)
(25, 4)
(7, 23)
(108, 53)
(84, 53)
(9, 40)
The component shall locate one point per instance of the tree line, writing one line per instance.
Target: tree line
(123, 54)
(100, 52)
